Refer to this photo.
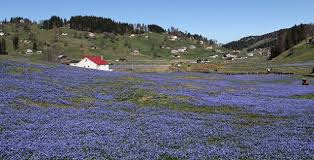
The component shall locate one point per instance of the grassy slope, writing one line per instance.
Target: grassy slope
(259, 43)
(298, 54)
(114, 47)
(111, 47)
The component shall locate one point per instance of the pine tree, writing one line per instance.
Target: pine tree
(156, 29)
(1, 50)
(3, 47)
(16, 43)
(53, 22)
(35, 46)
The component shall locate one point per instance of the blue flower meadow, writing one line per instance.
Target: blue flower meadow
(61, 112)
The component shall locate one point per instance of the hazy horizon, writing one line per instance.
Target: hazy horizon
(222, 20)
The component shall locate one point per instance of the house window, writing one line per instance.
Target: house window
(85, 60)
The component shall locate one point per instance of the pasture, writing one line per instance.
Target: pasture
(60, 112)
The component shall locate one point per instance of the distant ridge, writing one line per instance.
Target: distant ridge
(277, 41)
(253, 42)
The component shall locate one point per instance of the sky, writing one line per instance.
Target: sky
(223, 20)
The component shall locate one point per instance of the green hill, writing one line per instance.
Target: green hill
(254, 42)
(145, 47)
(151, 46)
(300, 53)
(278, 41)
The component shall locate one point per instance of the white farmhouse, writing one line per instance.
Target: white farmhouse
(192, 47)
(174, 51)
(93, 62)
(132, 35)
(231, 56)
(213, 57)
(90, 34)
(176, 56)
(209, 48)
(173, 38)
(27, 41)
(1, 34)
(29, 51)
(182, 50)
(250, 54)
(39, 52)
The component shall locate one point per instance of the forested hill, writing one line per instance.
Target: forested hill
(278, 41)
(100, 24)
(288, 38)
(101, 36)
(119, 40)
(252, 41)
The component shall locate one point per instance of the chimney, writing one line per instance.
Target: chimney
(102, 58)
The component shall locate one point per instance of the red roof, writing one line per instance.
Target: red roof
(97, 59)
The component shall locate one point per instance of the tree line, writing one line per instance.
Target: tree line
(53, 22)
(19, 20)
(176, 32)
(247, 42)
(100, 25)
(3, 49)
(279, 41)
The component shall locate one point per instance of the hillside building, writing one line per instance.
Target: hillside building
(90, 34)
(173, 38)
(250, 54)
(29, 51)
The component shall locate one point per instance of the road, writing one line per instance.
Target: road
(140, 68)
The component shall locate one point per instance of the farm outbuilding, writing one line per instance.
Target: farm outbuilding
(90, 34)
(93, 62)
(29, 51)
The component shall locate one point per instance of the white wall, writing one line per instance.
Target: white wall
(104, 67)
(86, 63)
